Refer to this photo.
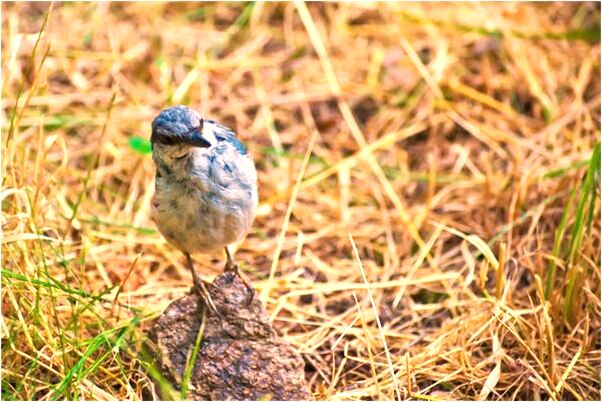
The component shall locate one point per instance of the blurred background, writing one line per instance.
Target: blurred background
(444, 156)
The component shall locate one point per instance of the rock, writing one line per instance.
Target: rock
(240, 357)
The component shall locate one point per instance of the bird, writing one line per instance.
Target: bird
(205, 188)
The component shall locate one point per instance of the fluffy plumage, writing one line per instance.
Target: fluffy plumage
(206, 184)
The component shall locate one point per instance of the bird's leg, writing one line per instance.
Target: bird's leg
(231, 266)
(201, 288)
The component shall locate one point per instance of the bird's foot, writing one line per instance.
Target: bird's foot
(203, 292)
(231, 266)
(201, 288)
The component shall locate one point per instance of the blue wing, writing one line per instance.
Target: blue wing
(223, 133)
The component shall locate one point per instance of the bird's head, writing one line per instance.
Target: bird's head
(177, 131)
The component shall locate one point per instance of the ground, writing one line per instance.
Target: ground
(429, 175)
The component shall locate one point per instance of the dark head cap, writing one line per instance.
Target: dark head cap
(178, 125)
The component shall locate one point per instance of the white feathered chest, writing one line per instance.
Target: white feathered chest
(207, 198)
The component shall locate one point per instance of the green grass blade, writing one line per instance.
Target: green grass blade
(140, 145)
(77, 372)
(587, 193)
(556, 248)
(192, 359)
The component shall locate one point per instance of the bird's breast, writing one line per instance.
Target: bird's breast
(198, 214)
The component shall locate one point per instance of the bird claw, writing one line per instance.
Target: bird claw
(231, 266)
(250, 289)
(206, 297)
(201, 288)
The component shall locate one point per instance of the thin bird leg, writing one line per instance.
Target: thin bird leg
(199, 284)
(231, 266)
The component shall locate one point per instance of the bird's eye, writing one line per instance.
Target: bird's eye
(166, 140)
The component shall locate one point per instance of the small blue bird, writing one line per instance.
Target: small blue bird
(205, 187)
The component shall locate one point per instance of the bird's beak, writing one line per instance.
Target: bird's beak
(196, 139)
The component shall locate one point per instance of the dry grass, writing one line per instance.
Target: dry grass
(448, 194)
